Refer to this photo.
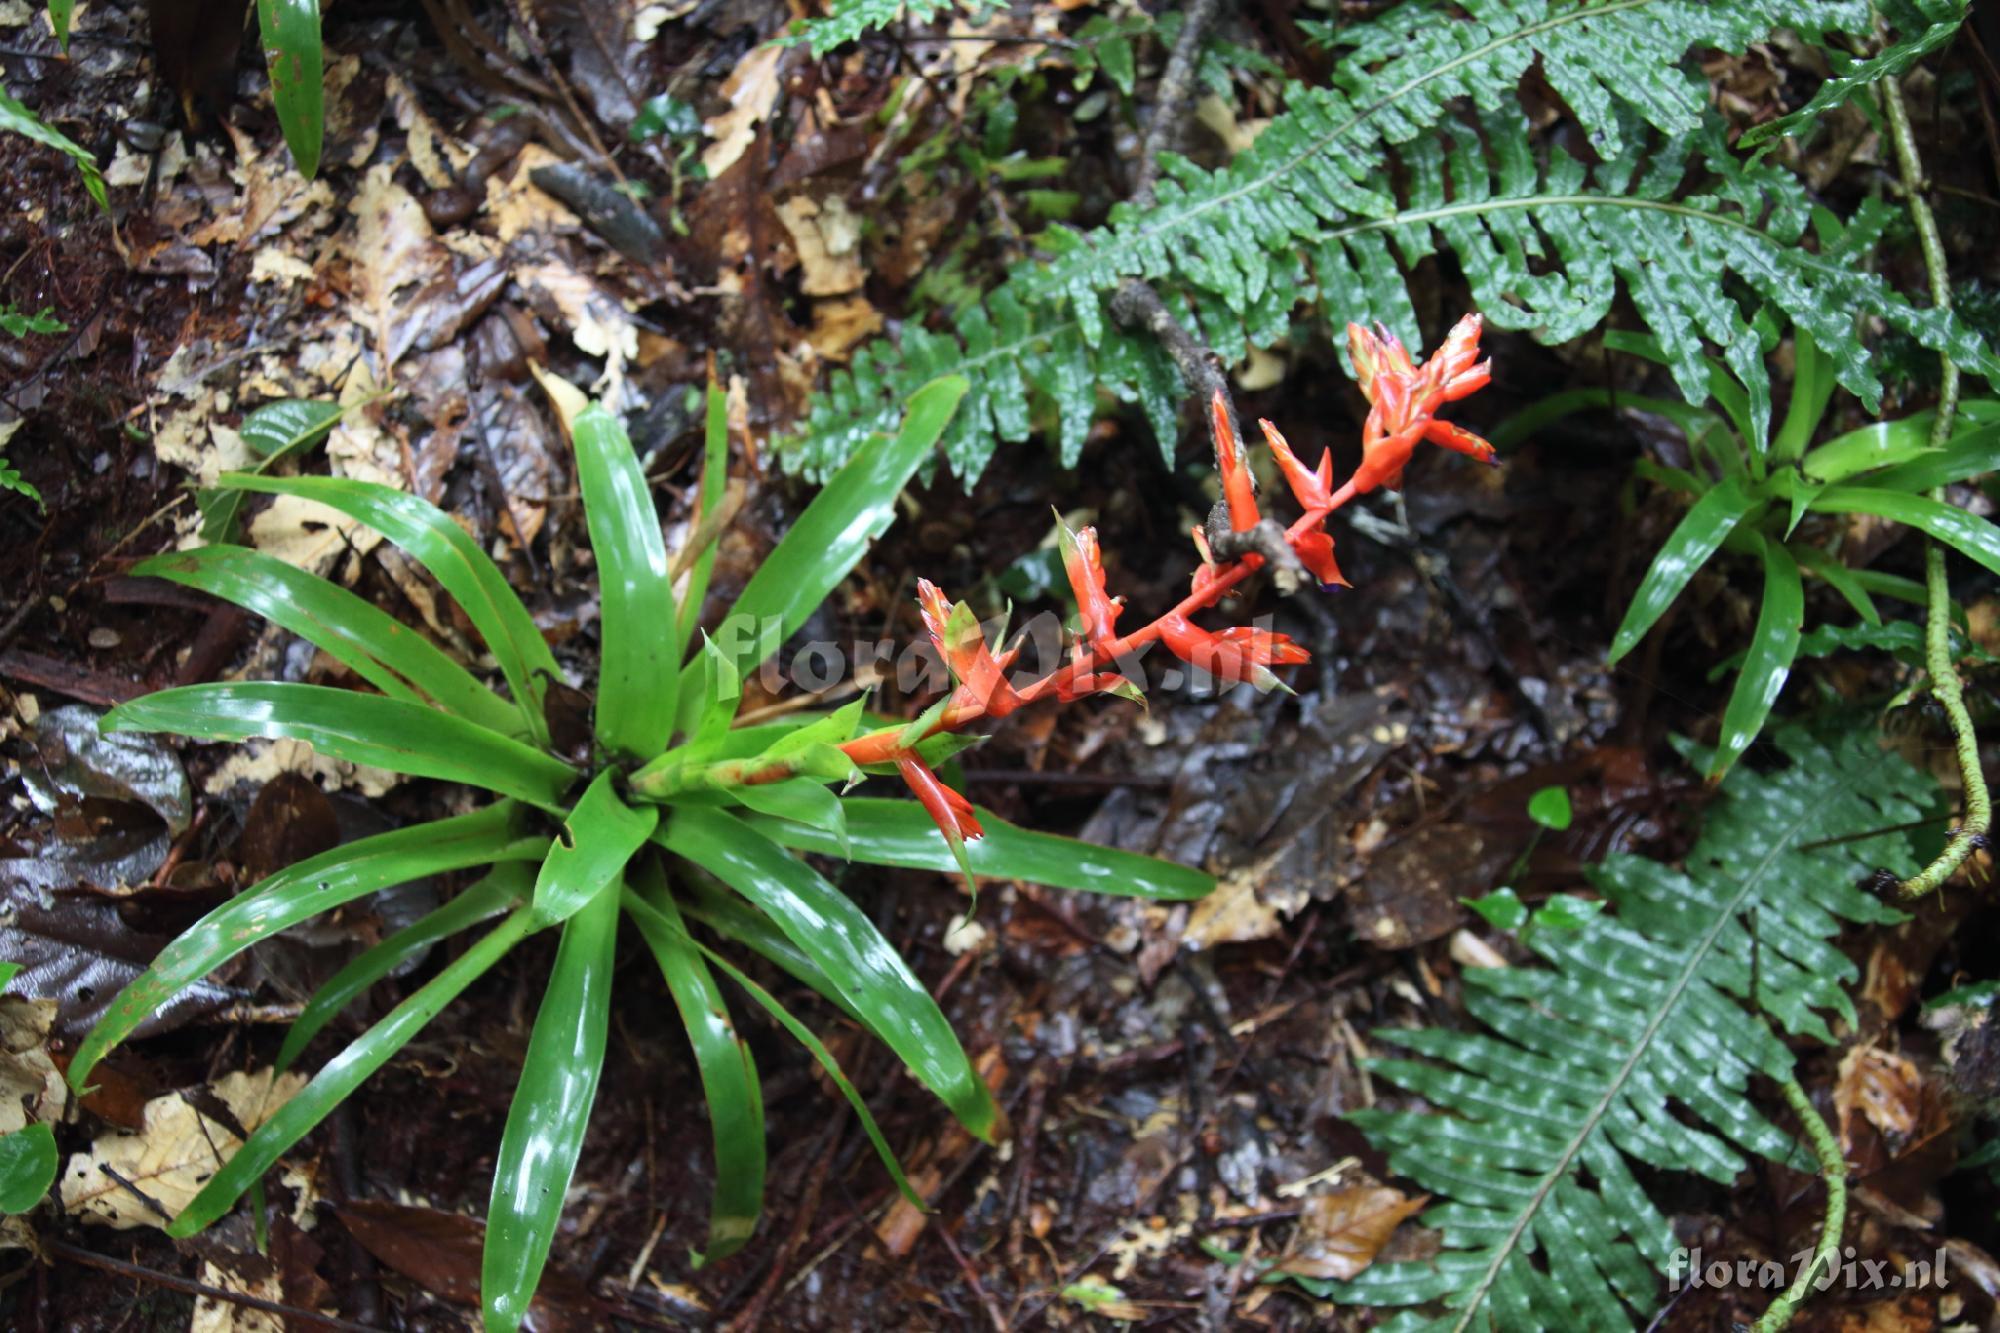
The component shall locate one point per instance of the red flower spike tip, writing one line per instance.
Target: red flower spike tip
(1236, 654)
(951, 812)
(1237, 487)
(955, 632)
(1084, 564)
(1313, 489)
(1404, 401)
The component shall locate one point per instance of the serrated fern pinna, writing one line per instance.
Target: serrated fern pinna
(1359, 180)
(1636, 1043)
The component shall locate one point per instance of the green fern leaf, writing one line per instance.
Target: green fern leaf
(849, 19)
(1308, 213)
(1634, 1045)
(1925, 26)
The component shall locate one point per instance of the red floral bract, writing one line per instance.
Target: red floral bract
(1403, 403)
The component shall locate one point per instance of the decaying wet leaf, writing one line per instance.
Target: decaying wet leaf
(76, 761)
(1878, 1086)
(144, 1179)
(1340, 1234)
(32, 1090)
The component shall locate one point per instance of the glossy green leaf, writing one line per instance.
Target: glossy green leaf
(17, 119)
(891, 832)
(28, 1164)
(598, 838)
(728, 1070)
(714, 481)
(1892, 585)
(1951, 525)
(1566, 911)
(383, 651)
(340, 1076)
(1966, 455)
(1693, 541)
(293, 55)
(800, 800)
(279, 429)
(641, 911)
(1813, 383)
(435, 541)
(317, 884)
(721, 692)
(551, 1108)
(8, 971)
(835, 530)
(505, 888)
(1773, 646)
(737, 921)
(361, 728)
(1904, 449)
(845, 944)
(1545, 412)
(274, 433)
(60, 14)
(1838, 577)
(640, 675)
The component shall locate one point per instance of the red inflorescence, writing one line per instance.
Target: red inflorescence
(1403, 402)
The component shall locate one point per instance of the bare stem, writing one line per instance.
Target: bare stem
(1833, 1170)
(1946, 686)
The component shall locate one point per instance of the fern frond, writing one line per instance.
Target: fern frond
(1634, 1045)
(1925, 26)
(1308, 213)
(849, 19)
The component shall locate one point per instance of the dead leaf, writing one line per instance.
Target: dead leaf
(1880, 1087)
(827, 237)
(752, 89)
(1340, 1234)
(145, 1179)
(32, 1090)
(219, 1316)
(839, 324)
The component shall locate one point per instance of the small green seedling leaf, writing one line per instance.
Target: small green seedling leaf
(1502, 908)
(1567, 912)
(1549, 807)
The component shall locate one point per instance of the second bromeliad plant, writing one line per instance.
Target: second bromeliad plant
(679, 814)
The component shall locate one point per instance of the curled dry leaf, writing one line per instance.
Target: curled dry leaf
(1341, 1233)
(144, 1179)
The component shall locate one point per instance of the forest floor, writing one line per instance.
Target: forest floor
(1177, 1078)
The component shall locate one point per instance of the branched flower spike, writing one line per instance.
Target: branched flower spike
(1404, 401)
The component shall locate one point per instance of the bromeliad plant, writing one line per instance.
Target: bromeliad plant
(676, 817)
(1750, 488)
(680, 816)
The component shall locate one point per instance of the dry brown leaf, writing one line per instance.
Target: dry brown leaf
(172, 1157)
(1340, 1234)
(391, 248)
(31, 1087)
(839, 325)
(1882, 1088)
(220, 1316)
(752, 89)
(827, 236)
